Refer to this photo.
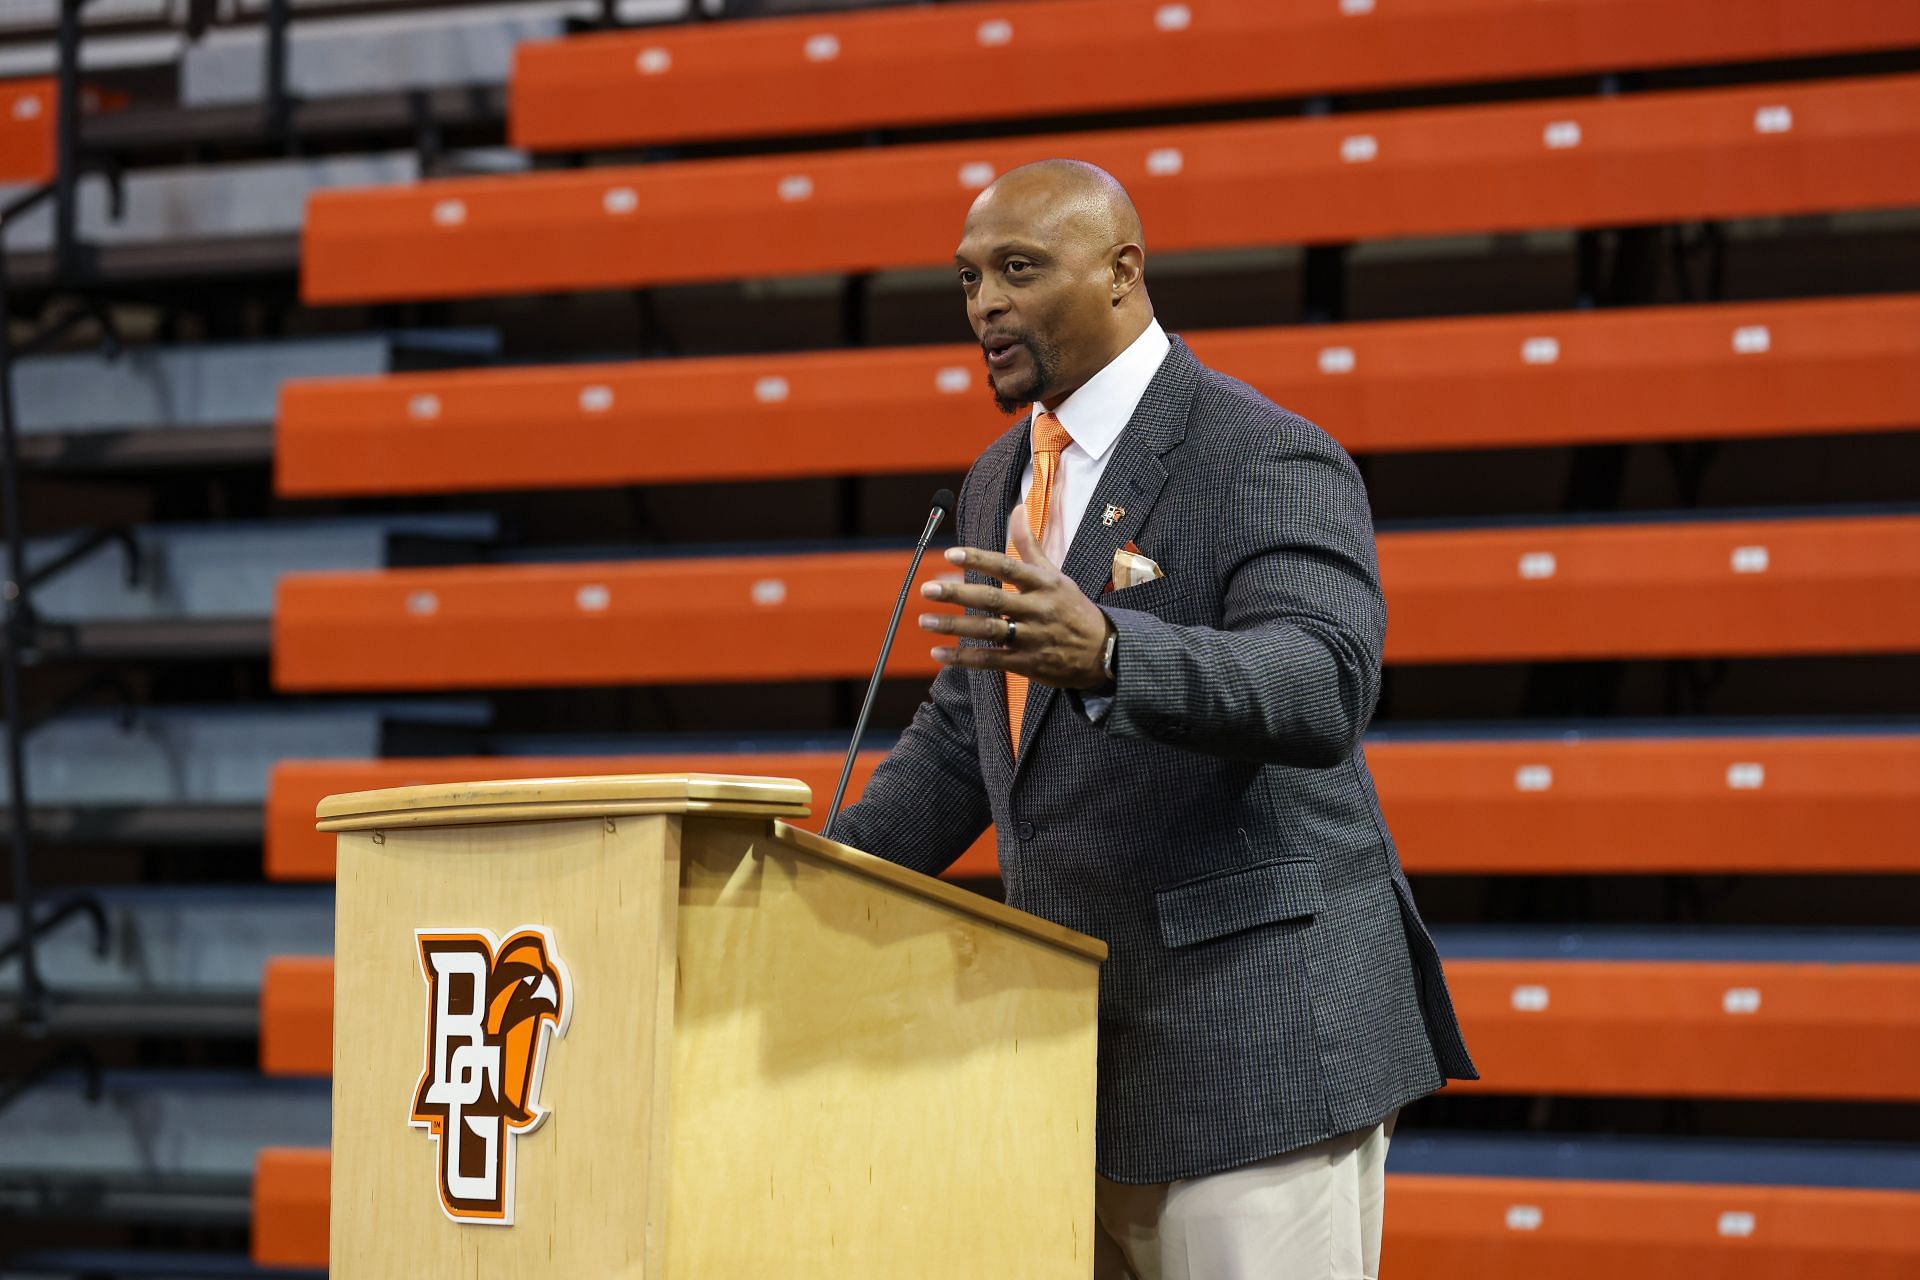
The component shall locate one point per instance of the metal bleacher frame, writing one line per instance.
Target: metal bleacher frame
(86, 144)
(83, 280)
(22, 631)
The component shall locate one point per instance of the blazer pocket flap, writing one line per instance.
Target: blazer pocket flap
(1139, 593)
(1230, 901)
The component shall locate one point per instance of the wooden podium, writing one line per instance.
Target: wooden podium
(658, 1032)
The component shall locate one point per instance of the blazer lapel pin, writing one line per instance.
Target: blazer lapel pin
(1112, 515)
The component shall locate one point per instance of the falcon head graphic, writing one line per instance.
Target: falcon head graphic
(525, 989)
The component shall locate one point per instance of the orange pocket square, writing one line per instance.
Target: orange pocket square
(1130, 569)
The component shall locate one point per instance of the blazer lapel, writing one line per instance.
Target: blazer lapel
(1132, 482)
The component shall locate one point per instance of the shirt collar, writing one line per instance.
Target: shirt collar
(1096, 414)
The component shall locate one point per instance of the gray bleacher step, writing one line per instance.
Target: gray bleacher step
(105, 766)
(67, 1196)
(1719, 1161)
(157, 641)
(116, 35)
(19, 16)
(331, 56)
(170, 128)
(213, 202)
(193, 262)
(148, 1264)
(337, 57)
(191, 405)
(223, 575)
(201, 948)
(236, 825)
(197, 223)
(1698, 944)
(166, 1124)
(148, 450)
(86, 1015)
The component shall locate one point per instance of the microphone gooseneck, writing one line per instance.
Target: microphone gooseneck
(942, 507)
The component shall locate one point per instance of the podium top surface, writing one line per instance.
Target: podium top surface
(545, 799)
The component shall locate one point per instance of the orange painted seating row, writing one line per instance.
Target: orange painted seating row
(1708, 588)
(1566, 378)
(934, 64)
(1573, 805)
(1797, 148)
(1441, 1227)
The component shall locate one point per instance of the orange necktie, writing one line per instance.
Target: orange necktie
(1049, 438)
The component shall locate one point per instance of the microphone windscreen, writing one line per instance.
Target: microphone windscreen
(943, 503)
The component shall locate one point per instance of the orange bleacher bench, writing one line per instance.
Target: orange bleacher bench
(1776, 150)
(1691, 1029)
(933, 64)
(1667, 373)
(564, 624)
(1831, 1032)
(1460, 1228)
(1604, 591)
(1453, 1228)
(290, 1199)
(1706, 589)
(1614, 805)
(1652, 806)
(28, 112)
(296, 1016)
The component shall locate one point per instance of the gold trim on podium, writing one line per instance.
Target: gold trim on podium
(538, 799)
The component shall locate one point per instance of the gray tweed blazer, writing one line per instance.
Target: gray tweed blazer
(1271, 983)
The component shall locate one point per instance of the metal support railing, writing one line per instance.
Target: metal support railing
(279, 103)
(92, 542)
(72, 263)
(19, 629)
(84, 904)
(70, 1057)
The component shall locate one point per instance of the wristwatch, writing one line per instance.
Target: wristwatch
(1110, 656)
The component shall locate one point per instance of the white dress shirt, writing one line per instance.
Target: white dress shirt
(1094, 416)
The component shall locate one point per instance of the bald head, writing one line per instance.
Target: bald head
(1053, 262)
(1081, 199)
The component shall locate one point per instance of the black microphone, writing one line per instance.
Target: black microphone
(942, 508)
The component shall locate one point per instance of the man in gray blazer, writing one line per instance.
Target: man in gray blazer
(1185, 780)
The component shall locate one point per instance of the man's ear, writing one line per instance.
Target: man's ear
(1129, 269)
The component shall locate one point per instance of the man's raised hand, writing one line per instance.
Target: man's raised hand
(1057, 634)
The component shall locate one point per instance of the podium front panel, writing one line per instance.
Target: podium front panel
(580, 1181)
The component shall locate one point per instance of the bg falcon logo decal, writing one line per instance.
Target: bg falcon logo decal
(492, 1009)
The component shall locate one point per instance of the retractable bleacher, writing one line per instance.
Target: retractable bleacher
(1504, 146)
(1825, 1015)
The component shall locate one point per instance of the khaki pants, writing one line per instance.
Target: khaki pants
(1311, 1214)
